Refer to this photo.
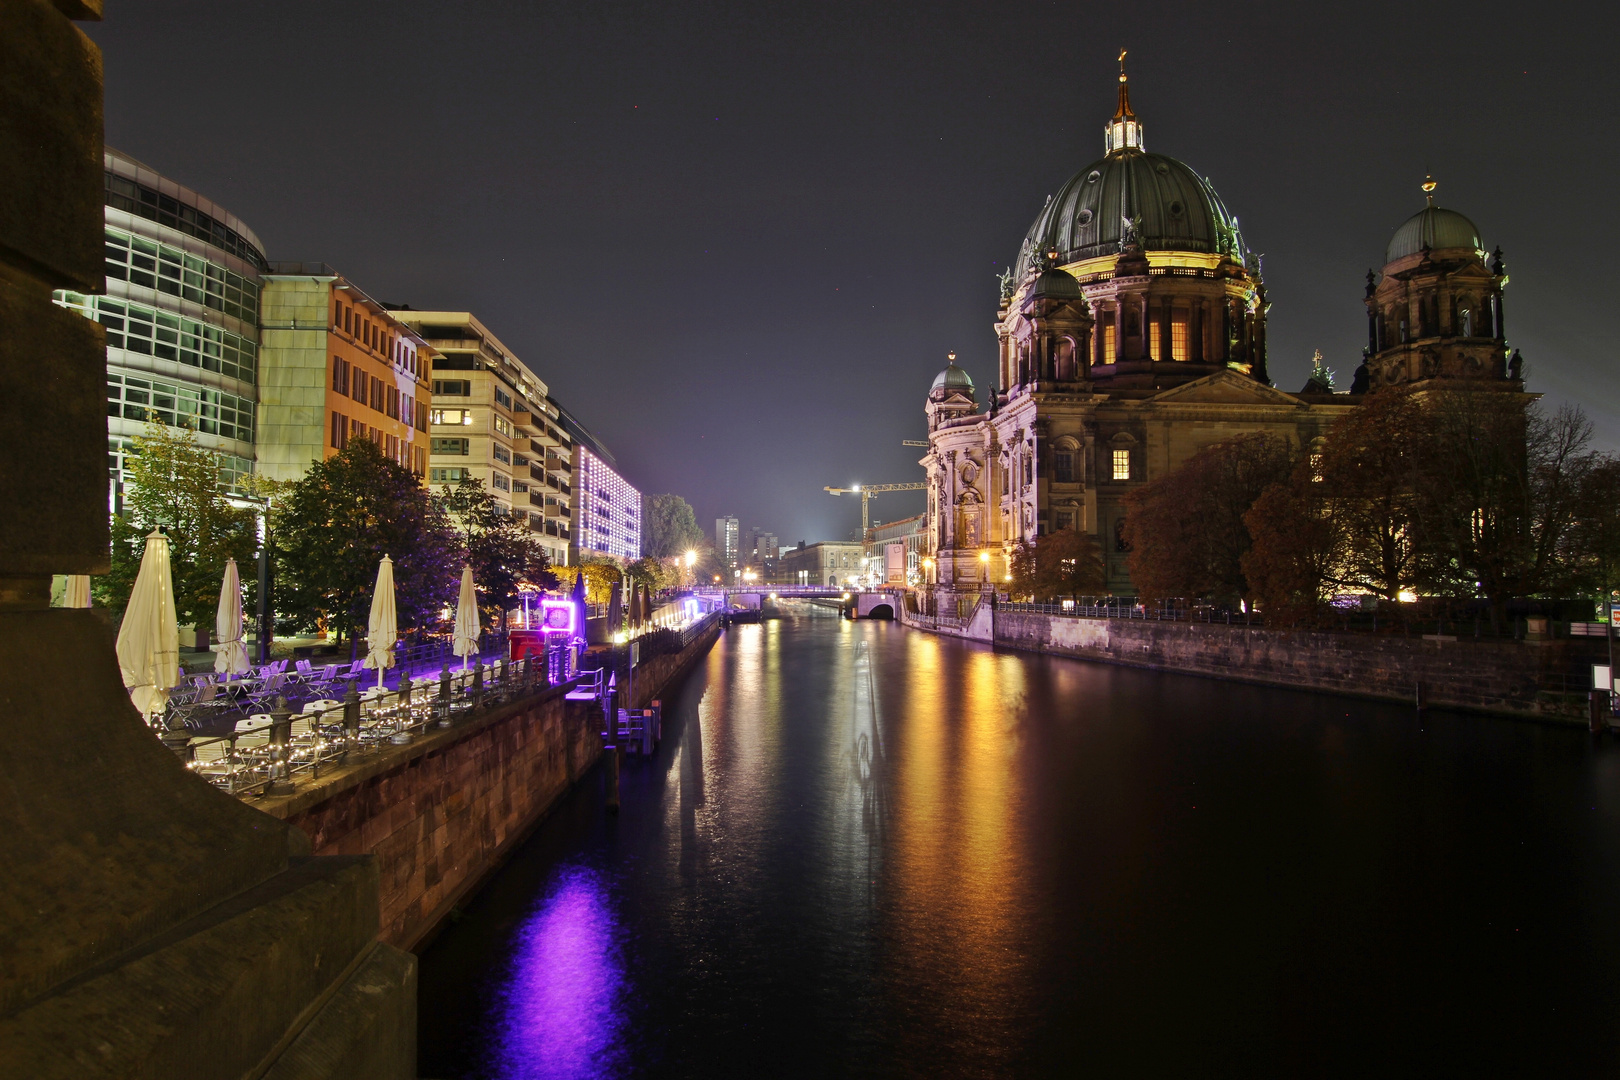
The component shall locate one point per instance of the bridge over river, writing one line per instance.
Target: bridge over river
(862, 603)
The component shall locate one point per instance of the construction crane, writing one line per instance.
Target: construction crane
(866, 491)
(912, 442)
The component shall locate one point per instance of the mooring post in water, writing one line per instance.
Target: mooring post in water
(1417, 695)
(612, 753)
(1598, 712)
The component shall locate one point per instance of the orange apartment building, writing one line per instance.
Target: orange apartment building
(335, 366)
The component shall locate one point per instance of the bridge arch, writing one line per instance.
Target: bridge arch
(881, 611)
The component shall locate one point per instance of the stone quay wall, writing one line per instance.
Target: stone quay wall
(1542, 680)
(443, 812)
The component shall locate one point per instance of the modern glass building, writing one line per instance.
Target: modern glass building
(181, 313)
(607, 509)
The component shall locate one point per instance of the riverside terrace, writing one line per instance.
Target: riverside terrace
(266, 754)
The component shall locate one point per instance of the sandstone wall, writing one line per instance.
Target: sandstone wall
(1522, 678)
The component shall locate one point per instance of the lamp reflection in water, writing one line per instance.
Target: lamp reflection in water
(563, 1005)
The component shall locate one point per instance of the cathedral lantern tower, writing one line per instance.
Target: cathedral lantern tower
(1167, 290)
(1435, 312)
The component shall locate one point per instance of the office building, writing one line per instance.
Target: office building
(335, 366)
(726, 541)
(830, 562)
(607, 508)
(492, 422)
(181, 314)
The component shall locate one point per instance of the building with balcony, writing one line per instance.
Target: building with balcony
(181, 314)
(607, 508)
(335, 366)
(492, 421)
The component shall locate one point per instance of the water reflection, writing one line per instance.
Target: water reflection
(563, 1007)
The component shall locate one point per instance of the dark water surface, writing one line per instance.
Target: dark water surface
(867, 851)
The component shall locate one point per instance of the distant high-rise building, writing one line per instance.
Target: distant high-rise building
(761, 546)
(725, 540)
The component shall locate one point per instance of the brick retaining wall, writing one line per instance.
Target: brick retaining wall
(442, 812)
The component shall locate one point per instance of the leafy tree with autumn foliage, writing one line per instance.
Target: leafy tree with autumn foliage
(172, 481)
(332, 528)
(1060, 563)
(1186, 530)
(502, 551)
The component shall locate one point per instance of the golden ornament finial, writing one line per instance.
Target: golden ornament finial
(1428, 187)
(950, 357)
(1122, 65)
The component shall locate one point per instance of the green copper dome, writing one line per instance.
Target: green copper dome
(1432, 228)
(1170, 205)
(1055, 284)
(952, 378)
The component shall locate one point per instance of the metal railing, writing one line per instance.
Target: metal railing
(269, 756)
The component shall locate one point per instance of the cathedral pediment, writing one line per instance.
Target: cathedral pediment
(1224, 388)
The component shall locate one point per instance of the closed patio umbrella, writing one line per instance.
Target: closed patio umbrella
(578, 597)
(464, 643)
(382, 629)
(149, 638)
(232, 657)
(615, 611)
(76, 592)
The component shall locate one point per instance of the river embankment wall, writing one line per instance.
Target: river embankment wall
(443, 812)
(1533, 679)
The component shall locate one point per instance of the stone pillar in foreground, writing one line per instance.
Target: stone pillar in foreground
(149, 924)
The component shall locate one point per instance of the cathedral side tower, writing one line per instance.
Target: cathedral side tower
(1435, 312)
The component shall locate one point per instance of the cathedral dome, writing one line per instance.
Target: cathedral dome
(953, 378)
(1172, 207)
(1433, 228)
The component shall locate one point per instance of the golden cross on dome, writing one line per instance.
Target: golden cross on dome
(1122, 65)
(1428, 187)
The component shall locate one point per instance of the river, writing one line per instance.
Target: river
(868, 851)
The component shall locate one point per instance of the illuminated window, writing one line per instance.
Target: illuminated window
(1122, 464)
(460, 417)
(1178, 335)
(1156, 340)
(503, 426)
(1110, 352)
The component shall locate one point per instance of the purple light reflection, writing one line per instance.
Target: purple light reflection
(563, 1006)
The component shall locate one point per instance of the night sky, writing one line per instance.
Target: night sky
(737, 240)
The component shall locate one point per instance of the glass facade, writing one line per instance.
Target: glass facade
(181, 313)
(607, 510)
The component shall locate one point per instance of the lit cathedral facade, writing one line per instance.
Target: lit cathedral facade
(1132, 333)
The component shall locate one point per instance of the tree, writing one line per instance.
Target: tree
(1186, 530)
(334, 526)
(173, 482)
(601, 574)
(656, 574)
(668, 527)
(1060, 563)
(501, 550)
(1296, 549)
(1596, 535)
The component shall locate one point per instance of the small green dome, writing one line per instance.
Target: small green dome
(954, 378)
(1433, 228)
(1055, 284)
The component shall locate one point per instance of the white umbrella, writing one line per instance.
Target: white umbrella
(232, 658)
(149, 637)
(77, 591)
(464, 643)
(382, 629)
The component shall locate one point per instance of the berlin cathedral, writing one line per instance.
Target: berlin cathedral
(1132, 332)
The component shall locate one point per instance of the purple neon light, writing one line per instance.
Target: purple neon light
(557, 616)
(563, 1008)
